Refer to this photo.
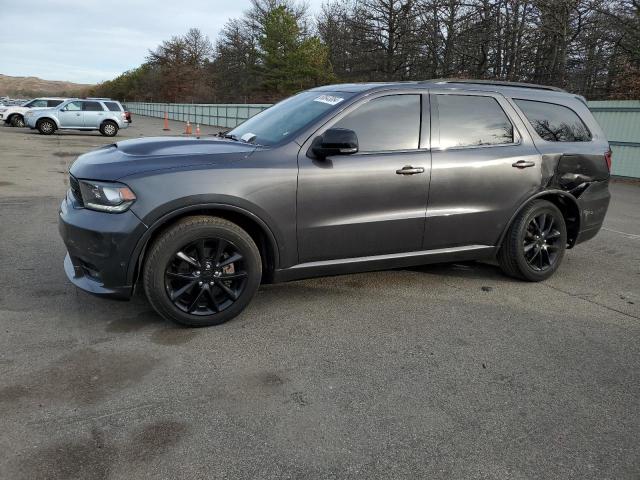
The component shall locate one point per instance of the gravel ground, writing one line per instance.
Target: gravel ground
(447, 371)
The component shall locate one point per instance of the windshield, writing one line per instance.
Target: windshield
(289, 116)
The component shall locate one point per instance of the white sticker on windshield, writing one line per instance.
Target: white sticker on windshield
(330, 99)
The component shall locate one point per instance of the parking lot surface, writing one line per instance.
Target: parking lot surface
(444, 371)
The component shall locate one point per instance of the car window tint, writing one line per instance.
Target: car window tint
(53, 103)
(92, 107)
(469, 120)
(554, 123)
(113, 106)
(73, 106)
(386, 123)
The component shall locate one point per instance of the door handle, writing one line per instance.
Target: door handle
(409, 170)
(523, 164)
(77, 114)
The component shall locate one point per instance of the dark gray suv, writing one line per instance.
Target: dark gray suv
(339, 179)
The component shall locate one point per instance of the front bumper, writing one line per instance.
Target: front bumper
(99, 248)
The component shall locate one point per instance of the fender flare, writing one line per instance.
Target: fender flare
(109, 120)
(142, 243)
(544, 193)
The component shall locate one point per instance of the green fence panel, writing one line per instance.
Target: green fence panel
(620, 120)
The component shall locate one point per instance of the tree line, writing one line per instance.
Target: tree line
(590, 47)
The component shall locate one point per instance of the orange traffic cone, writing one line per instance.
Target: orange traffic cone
(198, 130)
(187, 130)
(166, 122)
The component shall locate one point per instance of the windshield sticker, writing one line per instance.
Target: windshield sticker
(330, 99)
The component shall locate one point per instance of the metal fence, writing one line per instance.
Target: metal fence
(620, 120)
(220, 115)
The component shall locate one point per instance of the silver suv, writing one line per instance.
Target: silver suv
(104, 115)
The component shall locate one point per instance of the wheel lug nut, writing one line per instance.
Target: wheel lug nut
(199, 283)
(198, 272)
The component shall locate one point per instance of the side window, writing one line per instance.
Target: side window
(53, 103)
(386, 123)
(73, 106)
(554, 123)
(38, 103)
(472, 121)
(112, 106)
(92, 107)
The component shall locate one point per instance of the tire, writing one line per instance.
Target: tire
(46, 126)
(17, 121)
(192, 292)
(109, 128)
(535, 243)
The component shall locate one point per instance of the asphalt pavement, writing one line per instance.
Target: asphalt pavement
(441, 372)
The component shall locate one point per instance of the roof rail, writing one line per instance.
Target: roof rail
(498, 83)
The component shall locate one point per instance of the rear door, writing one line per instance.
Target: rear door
(93, 113)
(362, 204)
(484, 165)
(71, 115)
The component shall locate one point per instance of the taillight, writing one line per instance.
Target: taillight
(607, 158)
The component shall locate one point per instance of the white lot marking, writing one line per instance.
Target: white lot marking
(629, 235)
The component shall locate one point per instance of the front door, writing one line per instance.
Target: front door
(484, 166)
(71, 115)
(364, 204)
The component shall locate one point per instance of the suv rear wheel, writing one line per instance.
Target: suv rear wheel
(535, 242)
(46, 126)
(202, 271)
(109, 129)
(17, 121)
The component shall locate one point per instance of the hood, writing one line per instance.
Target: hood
(132, 157)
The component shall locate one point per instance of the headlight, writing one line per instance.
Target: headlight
(106, 197)
(3, 110)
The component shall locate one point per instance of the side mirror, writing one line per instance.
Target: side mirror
(335, 141)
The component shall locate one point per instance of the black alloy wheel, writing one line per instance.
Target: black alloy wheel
(535, 243)
(541, 242)
(202, 271)
(206, 276)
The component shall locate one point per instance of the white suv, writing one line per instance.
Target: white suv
(101, 114)
(14, 115)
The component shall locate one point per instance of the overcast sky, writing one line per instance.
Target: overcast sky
(88, 41)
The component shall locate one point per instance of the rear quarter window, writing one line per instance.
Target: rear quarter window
(113, 106)
(553, 122)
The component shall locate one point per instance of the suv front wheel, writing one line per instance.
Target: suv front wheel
(535, 242)
(17, 121)
(46, 126)
(202, 271)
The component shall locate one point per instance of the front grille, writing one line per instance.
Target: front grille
(75, 189)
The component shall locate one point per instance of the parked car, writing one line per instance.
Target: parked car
(339, 179)
(107, 116)
(14, 115)
(127, 113)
